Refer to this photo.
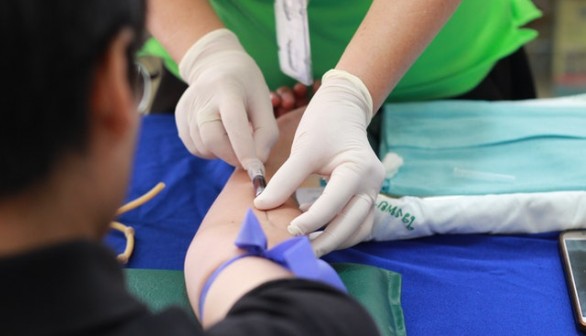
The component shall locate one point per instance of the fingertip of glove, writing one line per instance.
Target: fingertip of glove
(294, 230)
(262, 202)
(259, 202)
(304, 207)
(318, 251)
(321, 247)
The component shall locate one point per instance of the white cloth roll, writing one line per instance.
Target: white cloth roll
(412, 217)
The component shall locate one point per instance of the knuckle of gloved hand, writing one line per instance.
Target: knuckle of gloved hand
(369, 198)
(272, 134)
(370, 173)
(185, 138)
(218, 81)
(212, 141)
(378, 171)
(229, 90)
(264, 146)
(185, 103)
(319, 251)
(372, 165)
(268, 146)
(209, 77)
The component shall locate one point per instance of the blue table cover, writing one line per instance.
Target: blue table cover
(452, 285)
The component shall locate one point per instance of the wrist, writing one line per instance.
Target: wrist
(207, 49)
(345, 79)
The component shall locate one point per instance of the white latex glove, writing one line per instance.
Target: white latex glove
(226, 111)
(331, 141)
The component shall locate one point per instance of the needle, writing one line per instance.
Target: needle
(259, 184)
(256, 172)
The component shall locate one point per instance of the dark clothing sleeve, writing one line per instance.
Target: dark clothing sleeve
(78, 289)
(295, 307)
(277, 308)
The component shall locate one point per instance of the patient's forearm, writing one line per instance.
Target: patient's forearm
(214, 241)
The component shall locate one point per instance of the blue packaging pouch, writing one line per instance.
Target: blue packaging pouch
(478, 147)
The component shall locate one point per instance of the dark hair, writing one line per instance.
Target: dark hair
(50, 50)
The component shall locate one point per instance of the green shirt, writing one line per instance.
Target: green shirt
(478, 34)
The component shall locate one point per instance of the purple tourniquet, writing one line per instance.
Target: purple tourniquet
(294, 254)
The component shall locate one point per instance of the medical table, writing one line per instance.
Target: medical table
(474, 284)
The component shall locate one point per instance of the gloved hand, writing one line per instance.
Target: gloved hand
(226, 111)
(331, 141)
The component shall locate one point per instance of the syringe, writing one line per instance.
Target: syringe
(256, 172)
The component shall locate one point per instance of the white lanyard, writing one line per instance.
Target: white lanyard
(293, 39)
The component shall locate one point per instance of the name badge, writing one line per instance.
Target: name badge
(293, 39)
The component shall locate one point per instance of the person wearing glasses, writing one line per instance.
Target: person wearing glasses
(231, 53)
(68, 129)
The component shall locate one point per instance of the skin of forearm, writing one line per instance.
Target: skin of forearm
(389, 40)
(178, 24)
(214, 241)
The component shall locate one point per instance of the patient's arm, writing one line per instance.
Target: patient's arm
(214, 241)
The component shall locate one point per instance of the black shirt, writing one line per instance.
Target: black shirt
(78, 289)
